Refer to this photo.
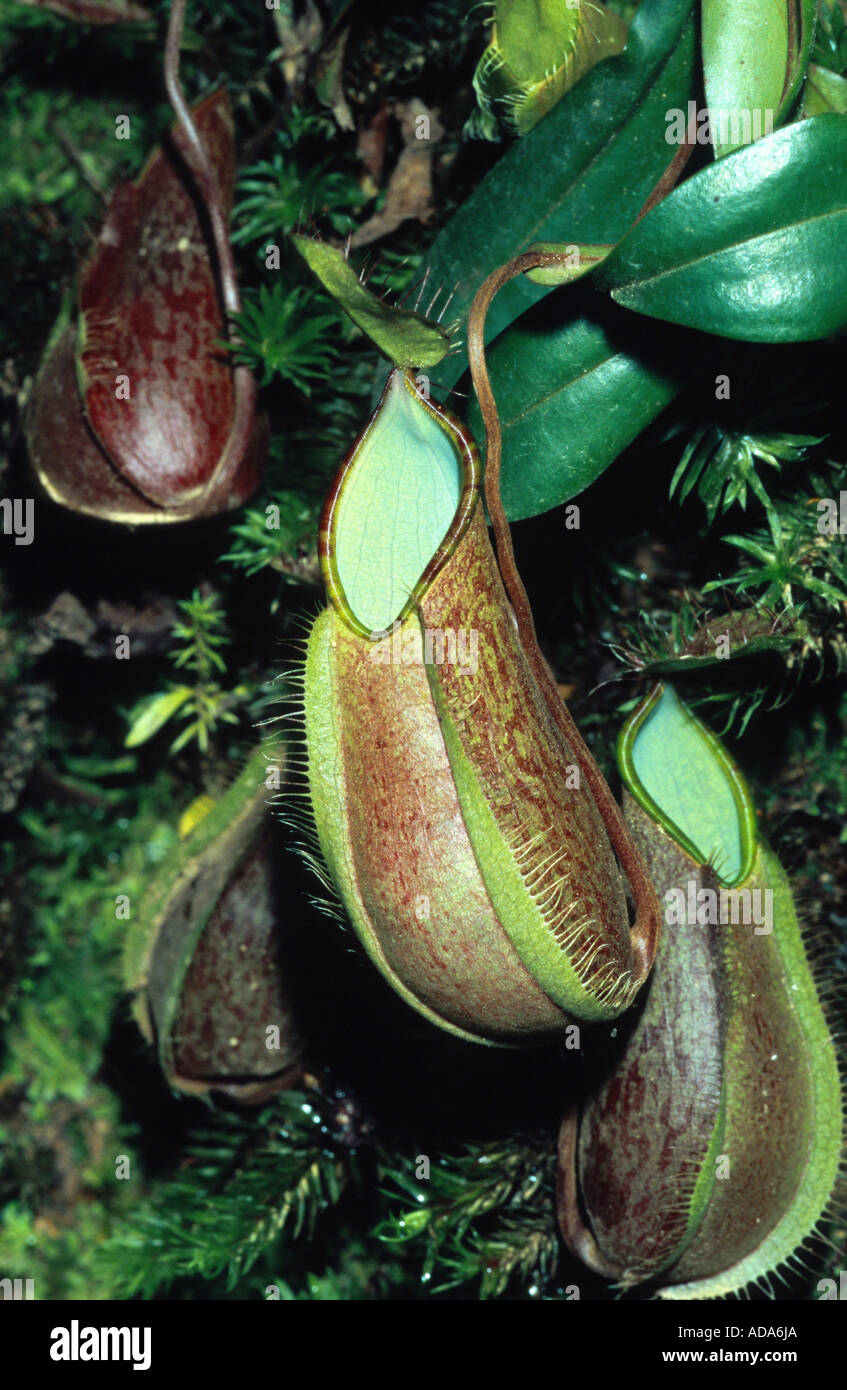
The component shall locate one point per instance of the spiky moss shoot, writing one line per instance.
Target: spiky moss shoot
(473, 863)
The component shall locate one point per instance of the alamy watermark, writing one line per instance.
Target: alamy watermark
(432, 646)
(720, 907)
(83, 1343)
(18, 518)
(11, 1289)
(716, 127)
(832, 515)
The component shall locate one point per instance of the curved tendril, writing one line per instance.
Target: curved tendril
(646, 927)
(202, 169)
(671, 175)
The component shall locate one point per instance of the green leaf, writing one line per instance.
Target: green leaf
(405, 338)
(151, 713)
(193, 730)
(825, 91)
(581, 175)
(752, 64)
(574, 385)
(683, 777)
(752, 247)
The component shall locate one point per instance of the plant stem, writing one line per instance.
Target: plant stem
(204, 173)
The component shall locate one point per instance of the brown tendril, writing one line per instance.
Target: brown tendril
(673, 171)
(646, 926)
(203, 171)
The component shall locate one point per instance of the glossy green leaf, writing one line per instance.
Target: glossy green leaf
(405, 338)
(574, 384)
(746, 63)
(697, 794)
(753, 247)
(581, 175)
